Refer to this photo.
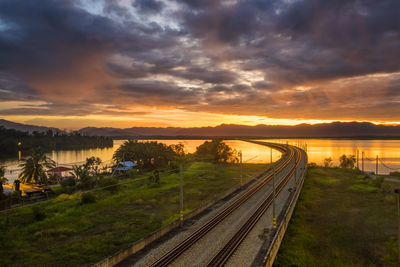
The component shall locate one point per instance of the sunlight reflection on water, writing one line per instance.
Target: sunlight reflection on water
(318, 150)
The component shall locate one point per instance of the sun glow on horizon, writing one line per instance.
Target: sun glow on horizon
(164, 118)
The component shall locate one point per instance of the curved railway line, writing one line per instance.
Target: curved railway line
(289, 153)
(226, 252)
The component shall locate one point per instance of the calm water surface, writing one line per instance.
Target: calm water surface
(318, 149)
(388, 152)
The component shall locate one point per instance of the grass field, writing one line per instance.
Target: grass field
(342, 218)
(65, 232)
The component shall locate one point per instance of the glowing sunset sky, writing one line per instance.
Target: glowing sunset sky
(123, 63)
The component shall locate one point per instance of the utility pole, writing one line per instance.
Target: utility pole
(376, 168)
(295, 178)
(273, 199)
(271, 156)
(357, 159)
(181, 193)
(362, 160)
(241, 169)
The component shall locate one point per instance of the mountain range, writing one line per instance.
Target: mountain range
(27, 128)
(334, 129)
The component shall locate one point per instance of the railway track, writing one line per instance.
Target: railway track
(221, 258)
(169, 257)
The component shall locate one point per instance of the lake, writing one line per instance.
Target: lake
(317, 149)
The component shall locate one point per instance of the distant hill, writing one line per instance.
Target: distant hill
(27, 128)
(334, 129)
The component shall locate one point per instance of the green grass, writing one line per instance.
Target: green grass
(342, 218)
(72, 234)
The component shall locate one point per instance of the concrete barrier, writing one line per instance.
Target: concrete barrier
(144, 242)
(283, 224)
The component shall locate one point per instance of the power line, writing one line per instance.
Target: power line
(390, 168)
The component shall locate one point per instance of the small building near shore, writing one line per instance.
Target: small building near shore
(124, 166)
(59, 170)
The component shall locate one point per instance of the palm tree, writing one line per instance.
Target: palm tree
(80, 172)
(83, 174)
(33, 169)
(3, 179)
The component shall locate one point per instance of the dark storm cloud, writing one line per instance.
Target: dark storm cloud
(148, 5)
(51, 37)
(159, 93)
(199, 54)
(128, 72)
(305, 40)
(207, 76)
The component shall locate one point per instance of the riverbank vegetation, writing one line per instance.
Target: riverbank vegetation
(10, 138)
(342, 218)
(94, 215)
(82, 228)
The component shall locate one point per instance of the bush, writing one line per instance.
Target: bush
(110, 183)
(70, 181)
(328, 162)
(133, 172)
(377, 182)
(38, 214)
(88, 198)
(311, 165)
(87, 182)
(68, 189)
(347, 161)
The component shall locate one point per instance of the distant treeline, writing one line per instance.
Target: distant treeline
(47, 141)
(227, 137)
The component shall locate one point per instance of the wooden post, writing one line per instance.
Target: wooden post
(273, 199)
(362, 161)
(181, 194)
(241, 169)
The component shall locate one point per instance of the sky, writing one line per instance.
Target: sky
(125, 63)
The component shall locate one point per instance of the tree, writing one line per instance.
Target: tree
(3, 179)
(93, 165)
(148, 155)
(217, 151)
(180, 155)
(328, 162)
(347, 162)
(33, 169)
(79, 172)
(82, 173)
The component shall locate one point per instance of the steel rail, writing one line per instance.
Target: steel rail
(226, 252)
(174, 253)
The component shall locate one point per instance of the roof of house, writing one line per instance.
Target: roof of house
(59, 169)
(125, 165)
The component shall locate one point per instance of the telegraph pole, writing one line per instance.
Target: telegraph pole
(376, 168)
(181, 194)
(295, 177)
(271, 156)
(241, 169)
(357, 158)
(273, 199)
(362, 160)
